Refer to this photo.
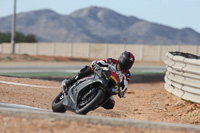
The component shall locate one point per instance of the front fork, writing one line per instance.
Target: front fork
(63, 91)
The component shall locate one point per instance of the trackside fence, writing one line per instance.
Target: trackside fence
(183, 75)
(98, 50)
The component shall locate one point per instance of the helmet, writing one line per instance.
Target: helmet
(126, 60)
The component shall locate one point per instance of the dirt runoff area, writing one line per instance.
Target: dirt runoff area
(143, 101)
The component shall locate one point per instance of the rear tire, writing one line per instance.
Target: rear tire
(92, 104)
(57, 105)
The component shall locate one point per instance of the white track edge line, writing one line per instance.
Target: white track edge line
(20, 84)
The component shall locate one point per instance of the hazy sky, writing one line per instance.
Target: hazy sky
(174, 13)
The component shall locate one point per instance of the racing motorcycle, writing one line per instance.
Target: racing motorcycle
(88, 93)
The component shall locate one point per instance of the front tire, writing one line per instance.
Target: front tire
(92, 104)
(57, 105)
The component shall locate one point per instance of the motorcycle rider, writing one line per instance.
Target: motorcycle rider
(122, 65)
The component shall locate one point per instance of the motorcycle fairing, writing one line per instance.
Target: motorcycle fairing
(100, 78)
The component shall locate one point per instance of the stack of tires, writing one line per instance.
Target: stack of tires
(183, 75)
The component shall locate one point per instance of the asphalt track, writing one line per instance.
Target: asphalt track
(18, 69)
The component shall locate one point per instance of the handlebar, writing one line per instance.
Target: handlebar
(97, 66)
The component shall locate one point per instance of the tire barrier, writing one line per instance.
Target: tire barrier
(182, 77)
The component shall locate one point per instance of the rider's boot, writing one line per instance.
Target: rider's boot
(68, 82)
(83, 73)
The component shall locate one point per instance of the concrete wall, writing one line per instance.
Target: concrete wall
(6, 48)
(98, 51)
(26, 48)
(63, 49)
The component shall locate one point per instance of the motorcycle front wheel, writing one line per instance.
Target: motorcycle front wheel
(57, 105)
(90, 103)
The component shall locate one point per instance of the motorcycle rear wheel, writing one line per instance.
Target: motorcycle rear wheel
(57, 105)
(92, 104)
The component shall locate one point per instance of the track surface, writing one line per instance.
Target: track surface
(14, 69)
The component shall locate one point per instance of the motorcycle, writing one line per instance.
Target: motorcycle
(88, 93)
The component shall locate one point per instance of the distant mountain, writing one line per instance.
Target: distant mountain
(97, 25)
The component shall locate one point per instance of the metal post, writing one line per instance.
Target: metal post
(13, 28)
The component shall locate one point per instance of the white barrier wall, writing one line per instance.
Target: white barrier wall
(183, 75)
(98, 51)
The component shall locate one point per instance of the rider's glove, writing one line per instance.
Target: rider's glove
(95, 65)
